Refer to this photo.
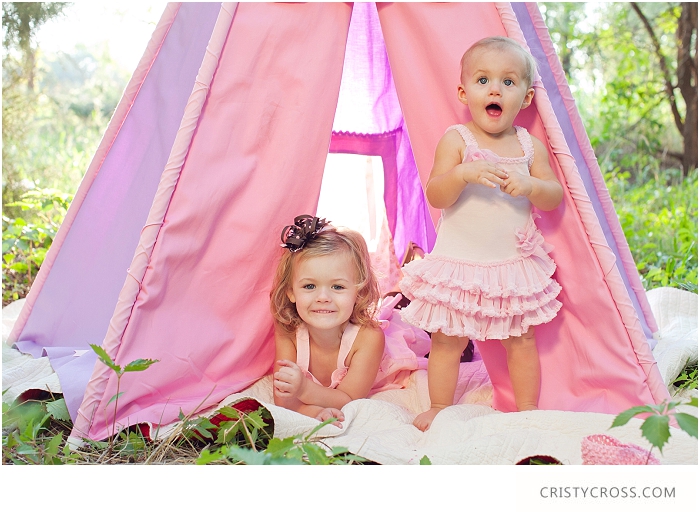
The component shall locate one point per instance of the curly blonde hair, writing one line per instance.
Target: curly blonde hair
(330, 240)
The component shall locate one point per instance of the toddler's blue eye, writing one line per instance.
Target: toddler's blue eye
(508, 82)
(483, 80)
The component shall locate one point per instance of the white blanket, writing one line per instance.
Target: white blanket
(471, 432)
(21, 372)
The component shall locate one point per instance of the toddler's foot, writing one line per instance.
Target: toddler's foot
(528, 407)
(424, 420)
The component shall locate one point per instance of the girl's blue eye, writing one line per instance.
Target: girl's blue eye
(309, 286)
(483, 80)
(338, 287)
(508, 82)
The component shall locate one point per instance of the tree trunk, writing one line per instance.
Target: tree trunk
(687, 73)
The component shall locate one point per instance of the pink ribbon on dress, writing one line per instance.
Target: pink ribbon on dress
(531, 241)
(473, 153)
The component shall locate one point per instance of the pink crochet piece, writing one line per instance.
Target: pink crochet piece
(601, 449)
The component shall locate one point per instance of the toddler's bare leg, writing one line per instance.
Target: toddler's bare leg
(443, 370)
(524, 369)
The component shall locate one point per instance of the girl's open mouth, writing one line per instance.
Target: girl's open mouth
(494, 110)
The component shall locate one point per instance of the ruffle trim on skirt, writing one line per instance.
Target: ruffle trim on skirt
(434, 318)
(522, 276)
(483, 301)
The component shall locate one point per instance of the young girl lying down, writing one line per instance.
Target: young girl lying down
(330, 349)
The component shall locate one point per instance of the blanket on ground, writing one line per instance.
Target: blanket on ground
(471, 432)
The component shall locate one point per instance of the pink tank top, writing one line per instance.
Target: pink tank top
(303, 353)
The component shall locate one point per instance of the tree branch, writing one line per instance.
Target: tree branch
(670, 95)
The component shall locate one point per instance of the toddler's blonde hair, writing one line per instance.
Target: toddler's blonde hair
(328, 241)
(503, 43)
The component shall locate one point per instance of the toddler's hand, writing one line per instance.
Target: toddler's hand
(288, 380)
(484, 173)
(331, 412)
(517, 185)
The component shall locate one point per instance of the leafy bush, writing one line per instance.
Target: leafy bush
(25, 240)
(659, 217)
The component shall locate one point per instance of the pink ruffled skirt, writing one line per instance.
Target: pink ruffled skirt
(483, 301)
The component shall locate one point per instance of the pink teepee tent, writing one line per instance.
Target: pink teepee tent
(220, 140)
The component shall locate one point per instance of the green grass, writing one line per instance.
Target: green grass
(660, 221)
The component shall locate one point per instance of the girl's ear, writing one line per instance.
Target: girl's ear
(290, 295)
(528, 98)
(461, 94)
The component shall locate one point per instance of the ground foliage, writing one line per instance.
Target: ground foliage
(35, 432)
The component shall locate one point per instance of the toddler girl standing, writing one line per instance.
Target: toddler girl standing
(489, 274)
(329, 347)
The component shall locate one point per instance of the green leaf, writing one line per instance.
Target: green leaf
(425, 461)
(25, 450)
(54, 443)
(315, 454)
(115, 397)
(688, 423)
(139, 365)
(197, 427)
(230, 412)
(693, 402)
(255, 419)
(319, 427)
(249, 456)
(626, 416)
(228, 430)
(656, 429)
(278, 447)
(58, 410)
(102, 356)
(207, 456)
(19, 267)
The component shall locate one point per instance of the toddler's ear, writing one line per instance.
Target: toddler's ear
(528, 98)
(461, 94)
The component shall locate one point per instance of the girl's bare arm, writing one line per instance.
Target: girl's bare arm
(285, 349)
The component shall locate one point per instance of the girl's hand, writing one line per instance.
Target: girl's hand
(484, 173)
(331, 412)
(289, 380)
(517, 185)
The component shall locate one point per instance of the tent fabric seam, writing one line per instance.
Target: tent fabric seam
(589, 156)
